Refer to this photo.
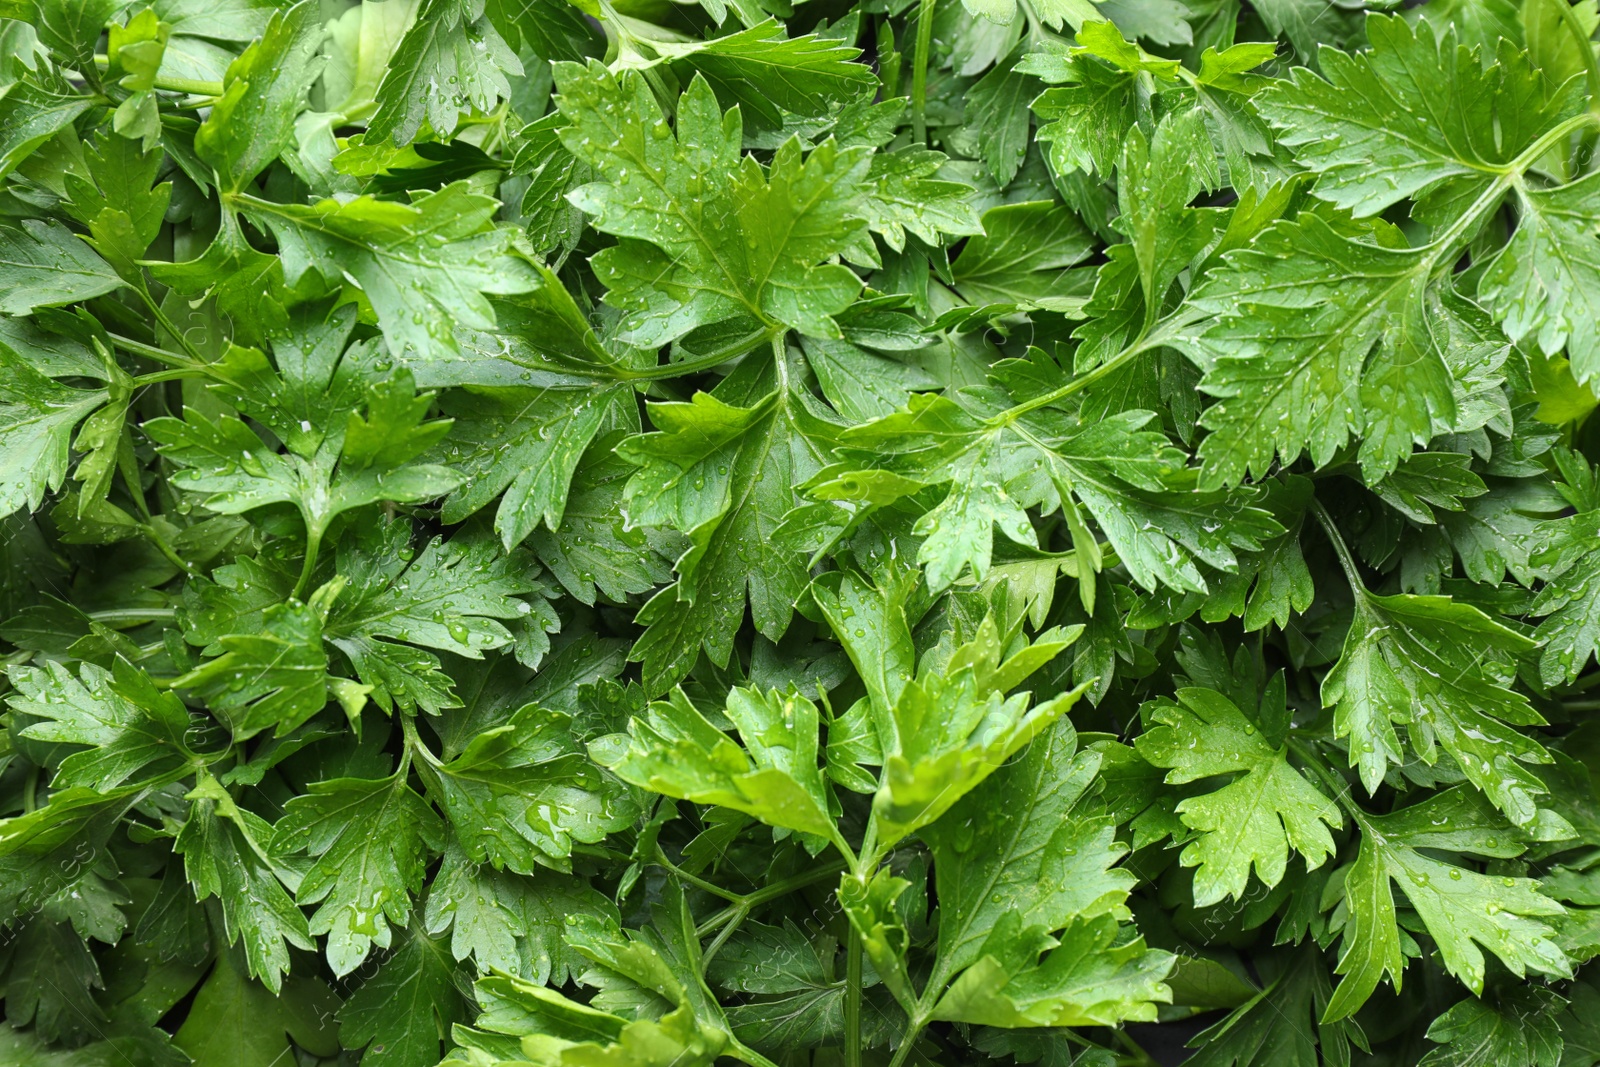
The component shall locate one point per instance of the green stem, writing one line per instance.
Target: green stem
(174, 375)
(413, 740)
(740, 1051)
(760, 896)
(132, 616)
(919, 72)
(168, 83)
(736, 899)
(852, 997)
(908, 1041)
(1137, 1057)
(715, 358)
(1035, 27)
(171, 327)
(313, 546)
(1591, 66)
(1151, 339)
(160, 355)
(1336, 785)
(740, 914)
(1346, 561)
(151, 531)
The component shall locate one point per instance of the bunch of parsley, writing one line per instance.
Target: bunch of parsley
(498, 512)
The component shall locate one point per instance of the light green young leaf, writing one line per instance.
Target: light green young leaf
(953, 727)
(1086, 978)
(673, 750)
(1034, 836)
(451, 59)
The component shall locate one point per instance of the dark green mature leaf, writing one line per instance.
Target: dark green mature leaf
(1461, 908)
(1127, 478)
(724, 469)
(128, 728)
(37, 417)
(361, 881)
(451, 597)
(1520, 1029)
(403, 1012)
(520, 795)
(1280, 1024)
(275, 678)
(1545, 283)
(769, 76)
(1443, 670)
(326, 331)
(594, 552)
(1418, 116)
(1022, 258)
(424, 266)
(704, 236)
(510, 922)
(236, 1021)
(1570, 630)
(774, 777)
(42, 264)
(45, 851)
(1320, 336)
(224, 849)
(31, 114)
(253, 122)
(327, 472)
(69, 28)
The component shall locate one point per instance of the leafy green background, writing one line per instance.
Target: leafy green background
(500, 504)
